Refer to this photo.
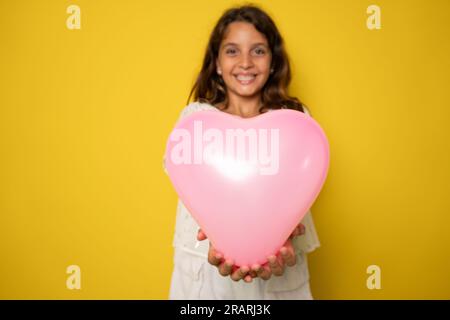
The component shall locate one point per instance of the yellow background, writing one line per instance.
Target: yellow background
(85, 115)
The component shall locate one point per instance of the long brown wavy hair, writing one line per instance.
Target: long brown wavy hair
(210, 87)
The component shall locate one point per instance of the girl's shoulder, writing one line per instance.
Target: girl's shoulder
(200, 106)
(305, 108)
(195, 106)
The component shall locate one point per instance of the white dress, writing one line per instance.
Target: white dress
(194, 278)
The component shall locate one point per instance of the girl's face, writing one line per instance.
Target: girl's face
(244, 59)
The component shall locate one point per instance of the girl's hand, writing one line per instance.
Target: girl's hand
(226, 268)
(276, 263)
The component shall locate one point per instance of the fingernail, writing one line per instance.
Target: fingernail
(218, 256)
(283, 250)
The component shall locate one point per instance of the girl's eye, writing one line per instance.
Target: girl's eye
(260, 51)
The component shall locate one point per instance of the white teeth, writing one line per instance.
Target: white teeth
(245, 78)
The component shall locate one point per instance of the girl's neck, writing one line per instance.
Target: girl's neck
(243, 108)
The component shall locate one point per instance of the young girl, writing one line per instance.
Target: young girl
(245, 72)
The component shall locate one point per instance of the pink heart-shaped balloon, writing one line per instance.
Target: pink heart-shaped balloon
(247, 182)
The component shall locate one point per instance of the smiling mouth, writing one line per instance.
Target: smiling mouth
(245, 80)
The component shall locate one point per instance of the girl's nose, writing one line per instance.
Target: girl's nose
(246, 62)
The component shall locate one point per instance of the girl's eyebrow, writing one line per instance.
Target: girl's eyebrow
(235, 44)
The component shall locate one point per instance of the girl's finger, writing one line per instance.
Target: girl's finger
(295, 233)
(302, 229)
(201, 235)
(288, 256)
(255, 269)
(226, 267)
(274, 264)
(264, 272)
(298, 231)
(239, 273)
(214, 257)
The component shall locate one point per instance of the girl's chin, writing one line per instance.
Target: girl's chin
(246, 91)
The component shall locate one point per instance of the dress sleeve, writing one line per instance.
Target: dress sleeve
(309, 241)
(305, 108)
